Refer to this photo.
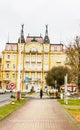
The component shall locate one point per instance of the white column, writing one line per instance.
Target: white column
(66, 100)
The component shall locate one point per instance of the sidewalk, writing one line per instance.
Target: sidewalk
(40, 114)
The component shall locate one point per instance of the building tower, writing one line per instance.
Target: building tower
(46, 38)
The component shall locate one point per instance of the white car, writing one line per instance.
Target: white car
(8, 90)
(2, 91)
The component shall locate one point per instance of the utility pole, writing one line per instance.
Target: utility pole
(19, 71)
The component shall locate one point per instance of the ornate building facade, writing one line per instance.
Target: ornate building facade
(30, 58)
(0, 70)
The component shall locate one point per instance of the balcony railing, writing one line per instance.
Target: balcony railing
(31, 51)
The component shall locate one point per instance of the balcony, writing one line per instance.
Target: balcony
(6, 80)
(58, 61)
(27, 61)
(39, 60)
(33, 52)
(7, 60)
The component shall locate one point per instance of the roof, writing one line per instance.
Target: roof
(11, 46)
(34, 39)
(70, 85)
(57, 44)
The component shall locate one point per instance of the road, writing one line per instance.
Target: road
(4, 98)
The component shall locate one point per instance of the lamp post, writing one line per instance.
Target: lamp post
(66, 100)
(19, 71)
(55, 84)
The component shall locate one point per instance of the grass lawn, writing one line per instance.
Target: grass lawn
(9, 108)
(70, 102)
(75, 112)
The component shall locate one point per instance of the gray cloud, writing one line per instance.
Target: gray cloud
(62, 16)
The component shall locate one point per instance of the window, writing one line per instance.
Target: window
(14, 66)
(8, 66)
(58, 59)
(33, 67)
(27, 49)
(33, 76)
(52, 58)
(52, 48)
(55, 48)
(39, 66)
(33, 49)
(27, 66)
(45, 67)
(14, 57)
(33, 58)
(7, 76)
(8, 56)
(46, 57)
(39, 59)
(27, 58)
(46, 49)
(13, 75)
(58, 48)
(8, 47)
(39, 76)
(15, 48)
(39, 49)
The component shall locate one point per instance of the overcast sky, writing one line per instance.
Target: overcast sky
(62, 17)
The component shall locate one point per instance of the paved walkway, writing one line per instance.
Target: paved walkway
(40, 114)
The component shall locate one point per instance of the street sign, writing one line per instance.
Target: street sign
(26, 79)
(12, 86)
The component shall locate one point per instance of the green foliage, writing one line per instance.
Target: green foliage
(70, 102)
(57, 74)
(74, 111)
(12, 96)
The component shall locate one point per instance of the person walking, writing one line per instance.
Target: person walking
(41, 93)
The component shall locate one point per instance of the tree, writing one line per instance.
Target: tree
(73, 54)
(55, 76)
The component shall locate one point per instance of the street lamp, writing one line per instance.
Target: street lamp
(19, 70)
(55, 84)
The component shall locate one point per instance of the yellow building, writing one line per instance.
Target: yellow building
(30, 58)
(0, 70)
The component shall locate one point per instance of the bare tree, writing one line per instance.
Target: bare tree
(73, 53)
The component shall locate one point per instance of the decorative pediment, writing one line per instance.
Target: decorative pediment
(33, 48)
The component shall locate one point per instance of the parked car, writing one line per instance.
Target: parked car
(8, 90)
(74, 94)
(2, 91)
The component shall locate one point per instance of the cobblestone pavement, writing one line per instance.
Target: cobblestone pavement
(40, 114)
